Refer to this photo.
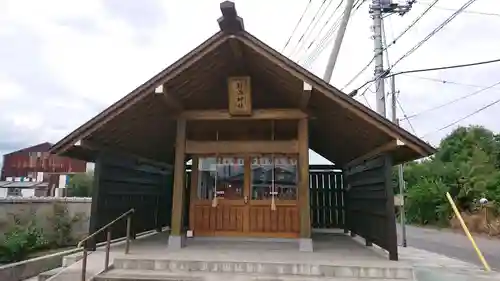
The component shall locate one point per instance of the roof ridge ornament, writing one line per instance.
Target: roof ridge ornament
(230, 22)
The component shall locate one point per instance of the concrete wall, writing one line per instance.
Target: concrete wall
(42, 209)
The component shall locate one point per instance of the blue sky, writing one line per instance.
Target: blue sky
(62, 62)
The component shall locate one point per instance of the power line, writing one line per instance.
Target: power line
(323, 27)
(328, 36)
(465, 117)
(392, 43)
(465, 12)
(297, 25)
(301, 39)
(406, 118)
(384, 42)
(442, 81)
(454, 101)
(325, 40)
(436, 30)
(335, 25)
(414, 48)
(413, 23)
(445, 67)
(387, 75)
(367, 102)
(306, 39)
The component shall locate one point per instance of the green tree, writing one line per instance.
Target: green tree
(466, 164)
(80, 185)
(461, 144)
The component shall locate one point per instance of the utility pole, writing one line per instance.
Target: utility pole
(401, 181)
(338, 41)
(378, 8)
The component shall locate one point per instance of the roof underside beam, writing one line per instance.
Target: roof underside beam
(257, 114)
(171, 101)
(385, 148)
(370, 117)
(98, 148)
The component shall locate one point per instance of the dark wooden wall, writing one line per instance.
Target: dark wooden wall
(359, 200)
(122, 183)
(370, 203)
(326, 196)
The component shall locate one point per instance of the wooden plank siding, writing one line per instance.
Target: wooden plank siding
(370, 202)
(122, 183)
(326, 197)
(326, 188)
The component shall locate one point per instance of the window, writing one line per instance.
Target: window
(222, 175)
(274, 175)
(14, 192)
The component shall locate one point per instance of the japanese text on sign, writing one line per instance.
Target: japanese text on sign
(239, 96)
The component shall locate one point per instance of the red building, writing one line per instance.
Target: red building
(28, 161)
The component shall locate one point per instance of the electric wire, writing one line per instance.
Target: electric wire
(326, 39)
(464, 118)
(414, 22)
(445, 67)
(301, 39)
(297, 25)
(354, 92)
(308, 36)
(419, 44)
(482, 90)
(392, 43)
(394, 96)
(323, 27)
(443, 81)
(367, 102)
(465, 12)
(434, 32)
(404, 114)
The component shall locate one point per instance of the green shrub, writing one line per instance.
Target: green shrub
(62, 223)
(19, 242)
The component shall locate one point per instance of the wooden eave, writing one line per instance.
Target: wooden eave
(136, 95)
(322, 95)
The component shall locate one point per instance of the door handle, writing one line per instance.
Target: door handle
(245, 199)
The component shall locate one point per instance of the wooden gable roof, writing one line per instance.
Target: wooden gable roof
(342, 128)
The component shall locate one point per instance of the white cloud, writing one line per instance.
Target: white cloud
(9, 90)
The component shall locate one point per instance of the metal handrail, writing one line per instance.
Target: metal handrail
(106, 226)
(127, 214)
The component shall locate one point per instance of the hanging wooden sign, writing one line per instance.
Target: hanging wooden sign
(240, 96)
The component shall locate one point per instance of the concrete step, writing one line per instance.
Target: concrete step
(49, 273)
(361, 269)
(161, 275)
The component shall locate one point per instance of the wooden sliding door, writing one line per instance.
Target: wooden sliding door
(218, 202)
(245, 196)
(273, 210)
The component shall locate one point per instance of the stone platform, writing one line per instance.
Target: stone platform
(335, 257)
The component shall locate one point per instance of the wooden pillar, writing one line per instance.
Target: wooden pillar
(176, 238)
(305, 208)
